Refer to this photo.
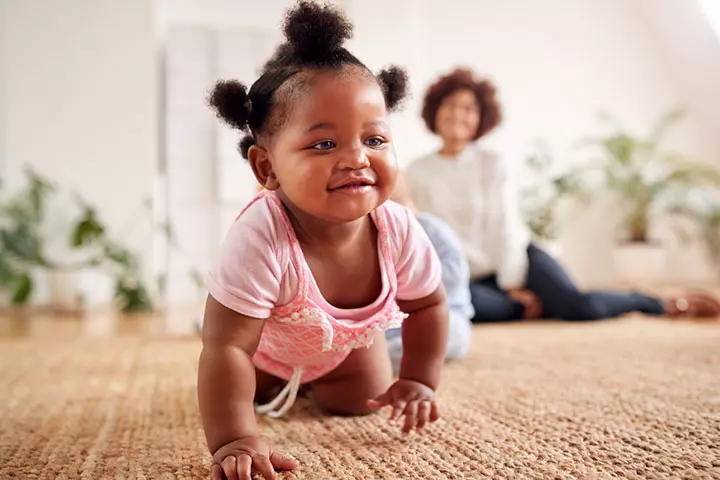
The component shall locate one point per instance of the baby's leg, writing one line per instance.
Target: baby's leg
(366, 373)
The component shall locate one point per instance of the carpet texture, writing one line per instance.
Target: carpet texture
(619, 399)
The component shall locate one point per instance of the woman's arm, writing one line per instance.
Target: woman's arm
(512, 236)
(226, 376)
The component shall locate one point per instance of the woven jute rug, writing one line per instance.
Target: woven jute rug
(618, 399)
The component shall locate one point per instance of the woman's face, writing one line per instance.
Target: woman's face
(458, 117)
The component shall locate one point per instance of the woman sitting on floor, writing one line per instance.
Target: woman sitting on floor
(466, 185)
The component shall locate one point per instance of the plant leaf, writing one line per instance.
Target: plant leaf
(21, 289)
(88, 229)
(132, 296)
(7, 272)
(660, 128)
(37, 193)
(168, 230)
(197, 278)
(121, 256)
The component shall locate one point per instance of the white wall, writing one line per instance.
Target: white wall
(690, 47)
(79, 99)
(219, 13)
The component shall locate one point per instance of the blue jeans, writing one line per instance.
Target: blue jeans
(459, 336)
(560, 298)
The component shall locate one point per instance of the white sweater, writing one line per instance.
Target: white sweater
(471, 192)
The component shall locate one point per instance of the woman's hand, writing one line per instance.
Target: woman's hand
(528, 299)
(413, 400)
(240, 459)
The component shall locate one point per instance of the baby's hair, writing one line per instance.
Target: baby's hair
(463, 79)
(314, 36)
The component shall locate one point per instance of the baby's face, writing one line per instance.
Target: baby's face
(333, 157)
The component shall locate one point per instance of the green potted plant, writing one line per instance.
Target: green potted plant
(642, 176)
(23, 253)
(540, 201)
(120, 263)
(22, 242)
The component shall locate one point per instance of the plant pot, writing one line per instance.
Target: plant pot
(78, 289)
(639, 264)
(64, 290)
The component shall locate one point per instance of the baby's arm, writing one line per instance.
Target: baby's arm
(424, 337)
(226, 391)
(424, 333)
(226, 378)
(422, 296)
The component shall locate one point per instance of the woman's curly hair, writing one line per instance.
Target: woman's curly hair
(463, 79)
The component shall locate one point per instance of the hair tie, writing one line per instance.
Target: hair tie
(248, 105)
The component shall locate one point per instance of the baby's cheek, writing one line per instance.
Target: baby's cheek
(386, 170)
(311, 184)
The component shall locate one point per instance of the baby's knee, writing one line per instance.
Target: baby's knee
(353, 409)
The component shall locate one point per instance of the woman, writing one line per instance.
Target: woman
(466, 186)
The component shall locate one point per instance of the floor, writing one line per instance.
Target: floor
(100, 323)
(113, 397)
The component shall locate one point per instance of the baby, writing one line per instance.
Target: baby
(320, 264)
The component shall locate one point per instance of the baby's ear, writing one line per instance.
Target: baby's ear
(259, 160)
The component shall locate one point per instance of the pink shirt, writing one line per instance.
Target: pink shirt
(262, 273)
(254, 274)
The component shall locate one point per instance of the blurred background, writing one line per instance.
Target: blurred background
(117, 181)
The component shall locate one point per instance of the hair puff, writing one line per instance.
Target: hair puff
(394, 82)
(230, 100)
(313, 30)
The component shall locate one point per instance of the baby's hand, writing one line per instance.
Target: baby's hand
(412, 399)
(242, 458)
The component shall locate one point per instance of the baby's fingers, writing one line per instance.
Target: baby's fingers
(398, 408)
(379, 402)
(263, 466)
(282, 462)
(229, 466)
(410, 417)
(216, 472)
(244, 467)
(423, 415)
(434, 412)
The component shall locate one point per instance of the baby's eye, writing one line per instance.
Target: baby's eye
(375, 142)
(326, 145)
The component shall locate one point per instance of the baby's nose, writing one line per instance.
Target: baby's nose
(355, 158)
